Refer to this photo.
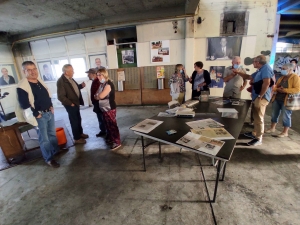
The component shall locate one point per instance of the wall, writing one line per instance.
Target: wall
(6, 57)
(261, 23)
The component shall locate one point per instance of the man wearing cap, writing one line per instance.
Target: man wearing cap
(94, 88)
(296, 67)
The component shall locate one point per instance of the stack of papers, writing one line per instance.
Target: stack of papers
(214, 133)
(201, 143)
(229, 112)
(164, 114)
(206, 123)
(221, 102)
(232, 110)
(146, 125)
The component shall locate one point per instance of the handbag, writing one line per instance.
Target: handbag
(258, 85)
(293, 102)
(104, 104)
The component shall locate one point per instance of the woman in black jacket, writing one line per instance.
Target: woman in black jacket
(200, 80)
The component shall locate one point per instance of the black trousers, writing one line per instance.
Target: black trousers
(75, 121)
(99, 116)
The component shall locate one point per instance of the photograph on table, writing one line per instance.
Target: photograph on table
(98, 61)
(223, 48)
(216, 75)
(46, 72)
(8, 74)
(160, 51)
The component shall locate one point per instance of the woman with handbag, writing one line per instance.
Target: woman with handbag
(107, 104)
(177, 81)
(288, 83)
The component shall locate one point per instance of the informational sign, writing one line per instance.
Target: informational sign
(160, 51)
(160, 72)
(121, 75)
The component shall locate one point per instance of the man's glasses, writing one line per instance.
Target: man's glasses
(31, 70)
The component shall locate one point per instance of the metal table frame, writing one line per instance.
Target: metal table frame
(219, 163)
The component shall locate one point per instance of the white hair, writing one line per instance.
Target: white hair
(65, 67)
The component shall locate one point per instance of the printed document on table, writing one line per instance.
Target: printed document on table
(232, 110)
(146, 125)
(201, 143)
(164, 114)
(205, 123)
(214, 133)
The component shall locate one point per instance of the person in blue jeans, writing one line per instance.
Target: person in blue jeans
(288, 83)
(35, 107)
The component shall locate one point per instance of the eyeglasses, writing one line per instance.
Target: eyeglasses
(31, 70)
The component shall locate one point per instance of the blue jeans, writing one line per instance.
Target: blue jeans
(47, 136)
(277, 107)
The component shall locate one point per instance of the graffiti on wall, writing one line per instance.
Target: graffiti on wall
(281, 60)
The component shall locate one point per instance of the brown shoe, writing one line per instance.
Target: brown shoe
(53, 164)
(80, 141)
(85, 136)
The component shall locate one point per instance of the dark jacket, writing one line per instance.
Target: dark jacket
(66, 93)
(11, 80)
(207, 79)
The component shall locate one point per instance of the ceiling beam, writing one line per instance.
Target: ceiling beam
(291, 11)
(129, 19)
(191, 6)
(290, 22)
(287, 5)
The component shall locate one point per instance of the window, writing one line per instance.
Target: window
(79, 67)
(58, 65)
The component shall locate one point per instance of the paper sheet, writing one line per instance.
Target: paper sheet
(146, 125)
(232, 110)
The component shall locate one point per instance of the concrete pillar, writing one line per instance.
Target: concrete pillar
(275, 39)
(189, 53)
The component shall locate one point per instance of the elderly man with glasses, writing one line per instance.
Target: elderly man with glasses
(261, 96)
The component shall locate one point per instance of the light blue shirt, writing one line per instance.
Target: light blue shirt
(264, 72)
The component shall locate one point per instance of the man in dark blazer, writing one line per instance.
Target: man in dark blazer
(68, 92)
(223, 51)
(6, 79)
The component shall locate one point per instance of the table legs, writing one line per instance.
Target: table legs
(217, 180)
(143, 147)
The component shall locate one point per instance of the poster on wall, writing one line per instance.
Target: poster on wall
(98, 61)
(223, 48)
(121, 75)
(46, 72)
(160, 72)
(216, 75)
(8, 74)
(160, 51)
(127, 56)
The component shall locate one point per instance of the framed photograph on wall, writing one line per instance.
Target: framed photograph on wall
(97, 61)
(8, 74)
(223, 48)
(216, 75)
(46, 71)
(126, 57)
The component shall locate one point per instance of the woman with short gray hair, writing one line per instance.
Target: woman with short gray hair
(288, 83)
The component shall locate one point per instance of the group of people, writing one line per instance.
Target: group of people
(35, 107)
(264, 90)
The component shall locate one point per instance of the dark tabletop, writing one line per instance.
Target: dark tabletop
(204, 110)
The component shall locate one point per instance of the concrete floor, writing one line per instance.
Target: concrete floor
(95, 185)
